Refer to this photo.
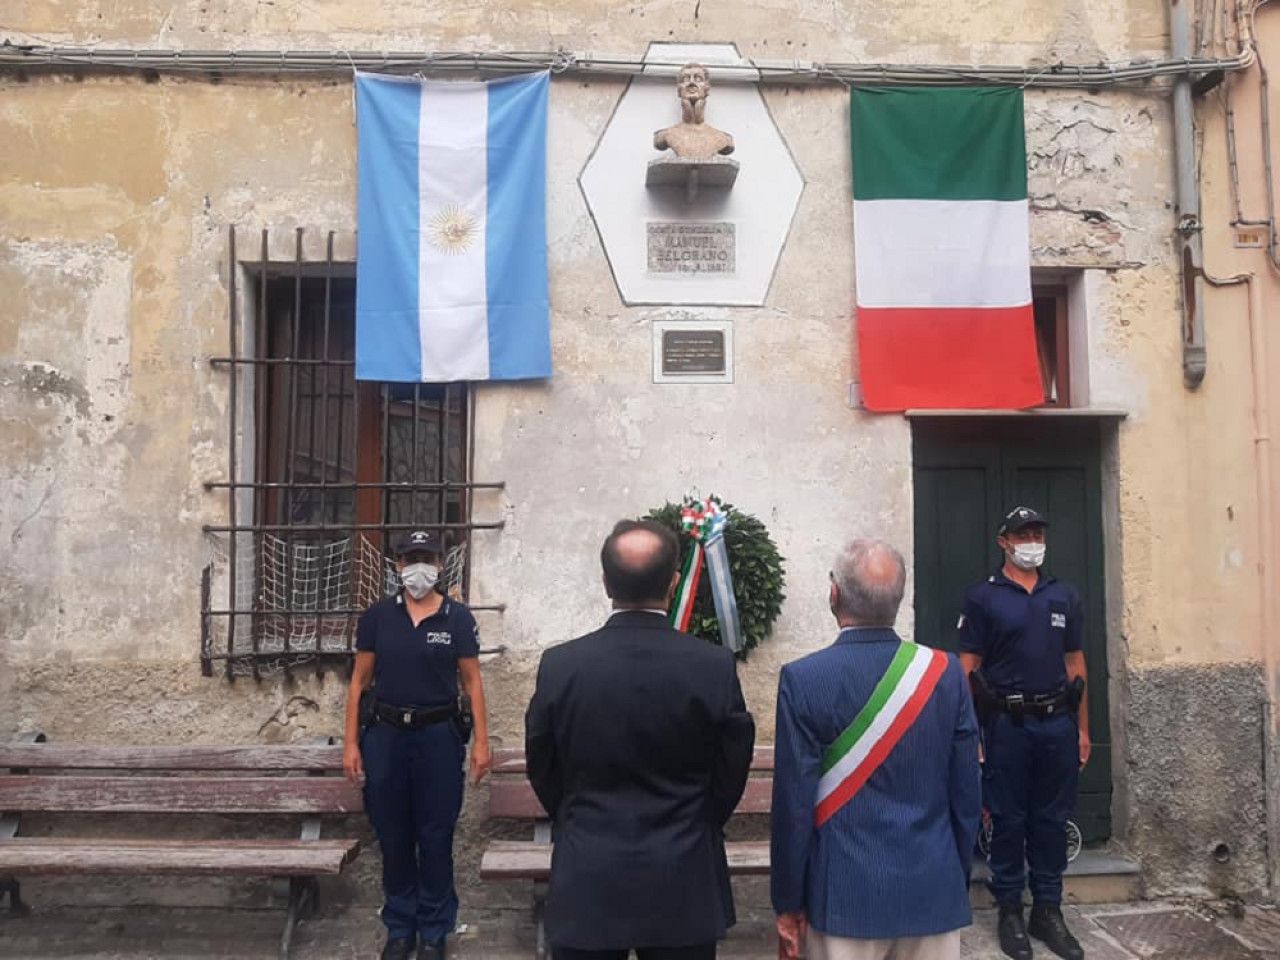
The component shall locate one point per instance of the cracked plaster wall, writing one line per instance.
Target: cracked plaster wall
(1231, 522)
(981, 31)
(117, 194)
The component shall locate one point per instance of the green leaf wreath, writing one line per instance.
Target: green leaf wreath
(759, 576)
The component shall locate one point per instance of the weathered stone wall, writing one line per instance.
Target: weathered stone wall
(1195, 734)
(117, 194)
(990, 31)
(1234, 180)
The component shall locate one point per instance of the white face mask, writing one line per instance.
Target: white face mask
(419, 578)
(1027, 556)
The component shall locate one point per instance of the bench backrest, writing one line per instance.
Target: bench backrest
(511, 796)
(195, 780)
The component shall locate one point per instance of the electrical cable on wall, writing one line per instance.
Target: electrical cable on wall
(342, 62)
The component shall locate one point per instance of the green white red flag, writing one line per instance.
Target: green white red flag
(943, 257)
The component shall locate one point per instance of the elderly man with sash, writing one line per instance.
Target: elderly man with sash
(877, 788)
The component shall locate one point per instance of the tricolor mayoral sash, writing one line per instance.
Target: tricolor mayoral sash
(894, 706)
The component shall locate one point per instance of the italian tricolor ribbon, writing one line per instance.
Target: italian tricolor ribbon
(682, 609)
(894, 706)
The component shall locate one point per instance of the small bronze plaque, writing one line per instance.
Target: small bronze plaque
(693, 351)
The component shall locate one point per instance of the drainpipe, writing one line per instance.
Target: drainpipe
(1266, 560)
(1190, 254)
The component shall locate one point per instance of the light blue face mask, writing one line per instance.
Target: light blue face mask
(419, 578)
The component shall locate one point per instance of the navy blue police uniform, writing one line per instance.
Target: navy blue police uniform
(1032, 750)
(414, 751)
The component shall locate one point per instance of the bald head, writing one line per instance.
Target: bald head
(639, 560)
(869, 578)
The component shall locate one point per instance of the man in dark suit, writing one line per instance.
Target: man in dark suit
(876, 785)
(639, 744)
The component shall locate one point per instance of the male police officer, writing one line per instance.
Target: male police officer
(1020, 639)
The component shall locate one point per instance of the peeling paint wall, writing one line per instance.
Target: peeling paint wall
(117, 193)
(1245, 365)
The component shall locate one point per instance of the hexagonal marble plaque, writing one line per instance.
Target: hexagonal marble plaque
(758, 207)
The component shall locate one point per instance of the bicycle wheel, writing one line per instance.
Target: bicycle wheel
(1074, 841)
(984, 838)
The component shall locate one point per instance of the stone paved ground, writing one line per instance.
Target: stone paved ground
(1166, 930)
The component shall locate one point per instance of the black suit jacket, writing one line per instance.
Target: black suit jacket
(639, 745)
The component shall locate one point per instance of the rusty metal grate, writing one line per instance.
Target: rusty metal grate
(1258, 927)
(1174, 935)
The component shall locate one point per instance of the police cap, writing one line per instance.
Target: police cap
(420, 542)
(1019, 518)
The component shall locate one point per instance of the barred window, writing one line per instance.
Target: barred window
(326, 473)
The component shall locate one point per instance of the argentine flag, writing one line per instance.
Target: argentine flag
(451, 271)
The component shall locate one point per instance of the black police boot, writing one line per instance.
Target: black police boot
(400, 948)
(1013, 932)
(431, 951)
(1047, 925)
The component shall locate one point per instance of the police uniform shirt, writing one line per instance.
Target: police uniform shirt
(417, 666)
(1022, 637)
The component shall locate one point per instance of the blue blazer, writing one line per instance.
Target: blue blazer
(893, 861)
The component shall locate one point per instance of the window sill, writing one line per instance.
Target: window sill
(1096, 413)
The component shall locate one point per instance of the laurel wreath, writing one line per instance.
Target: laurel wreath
(759, 577)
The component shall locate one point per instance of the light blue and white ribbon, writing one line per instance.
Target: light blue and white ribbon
(722, 589)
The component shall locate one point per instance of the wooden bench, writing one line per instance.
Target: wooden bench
(511, 797)
(271, 780)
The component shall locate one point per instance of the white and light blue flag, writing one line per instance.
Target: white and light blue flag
(451, 279)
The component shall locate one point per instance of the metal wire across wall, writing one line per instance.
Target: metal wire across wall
(275, 63)
(324, 472)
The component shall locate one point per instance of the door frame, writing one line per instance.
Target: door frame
(1108, 423)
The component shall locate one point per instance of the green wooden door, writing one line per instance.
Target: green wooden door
(967, 473)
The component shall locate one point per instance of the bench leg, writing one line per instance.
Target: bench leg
(302, 897)
(14, 889)
(542, 833)
(539, 914)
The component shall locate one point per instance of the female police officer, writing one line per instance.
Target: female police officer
(414, 646)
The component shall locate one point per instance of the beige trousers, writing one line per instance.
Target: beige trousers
(942, 946)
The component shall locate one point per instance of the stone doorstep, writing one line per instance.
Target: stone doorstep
(1096, 876)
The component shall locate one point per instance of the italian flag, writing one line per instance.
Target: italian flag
(942, 252)
(893, 707)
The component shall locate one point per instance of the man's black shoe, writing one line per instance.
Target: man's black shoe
(431, 951)
(1013, 932)
(1047, 925)
(400, 948)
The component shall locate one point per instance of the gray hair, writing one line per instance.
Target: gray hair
(871, 578)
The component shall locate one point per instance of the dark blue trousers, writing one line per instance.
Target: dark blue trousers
(1029, 785)
(413, 795)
